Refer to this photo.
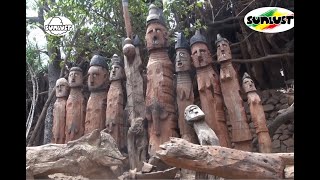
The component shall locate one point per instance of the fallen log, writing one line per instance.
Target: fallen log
(94, 155)
(224, 162)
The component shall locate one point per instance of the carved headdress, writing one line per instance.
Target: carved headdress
(197, 37)
(155, 15)
(98, 60)
(181, 42)
(76, 69)
(116, 60)
(220, 38)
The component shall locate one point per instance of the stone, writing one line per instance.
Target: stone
(276, 136)
(264, 100)
(290, 149)
(284, 137)
(278, 106)
(266, 115)
(273, 101)
(276, 150)
(278, 131)
(286, 132)
(265, 94)
(284, 100)
(284, 106)
(268, 107)
(276, 144)
(273, 114)
(291, 127)
(283, 126)
(283, 148)
(269, 122)
(289, 142)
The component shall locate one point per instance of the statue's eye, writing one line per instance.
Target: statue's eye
(181, 54)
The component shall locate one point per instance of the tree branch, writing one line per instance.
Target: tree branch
(225, 20)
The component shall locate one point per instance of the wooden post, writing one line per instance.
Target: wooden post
(241, 135)
(160, 99)
(257, 114)
(76, 106)
(97, 103)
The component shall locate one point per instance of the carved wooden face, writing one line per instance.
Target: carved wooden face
(116, 72)
(62, 88)
(183, 60)
(201, 55)
(156, 36)
(75, 79)
(248, 85)
(193, 113)
(98, 76)
(223, 51)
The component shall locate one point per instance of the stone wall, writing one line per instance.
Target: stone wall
(273, 101)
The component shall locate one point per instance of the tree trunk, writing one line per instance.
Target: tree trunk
(224, 162)
(53, 76)
(91, 156)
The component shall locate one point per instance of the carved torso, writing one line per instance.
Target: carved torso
(114, 113)
(160, 100)
(212, 103)
(233, 101)
(259, 120)
(160, 83)
(75, 115)
(185, 97)
(59, 121)
(134, 86)
(96, 111)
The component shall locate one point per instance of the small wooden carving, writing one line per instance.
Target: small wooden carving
(137, 143)
(97, 103)
(75, 106)
(209, 88)
(59, 111)
(115, 104)
(257, 114)
(135, 107)
(195, 116)
(241, 135)
(184, 87)
(160, 100)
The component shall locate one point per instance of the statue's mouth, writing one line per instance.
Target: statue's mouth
(179, 64)
(155, 42)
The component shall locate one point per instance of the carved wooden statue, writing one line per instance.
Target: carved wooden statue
(209, 88)
(115, 104)
(76, 107)
(98, 85)
(195, 116)
(241, 135)
(184, 87)
(160, 100)
(257, 114)
(135, 107)
(59, 111)
(134, 80)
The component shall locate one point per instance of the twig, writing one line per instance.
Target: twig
(265, 58)
(245, 8)
(225, 20)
